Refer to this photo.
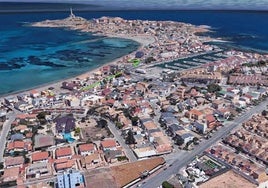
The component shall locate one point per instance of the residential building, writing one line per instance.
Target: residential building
(40, 156)
(65, 152)
(86, 149)
(43, 141)
(109, 144)
(38, 170)
(194, 114)
(13, 161)
(10, 174)
(91, 161)
(70, 179)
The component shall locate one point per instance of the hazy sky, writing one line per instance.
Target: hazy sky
(169, 4)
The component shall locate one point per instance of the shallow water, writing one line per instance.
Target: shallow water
(30, 57)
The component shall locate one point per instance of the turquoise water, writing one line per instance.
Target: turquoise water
(31, 57)
(68, 137)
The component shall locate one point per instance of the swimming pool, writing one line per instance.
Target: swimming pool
(68, 137)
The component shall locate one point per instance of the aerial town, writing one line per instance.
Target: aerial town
(178, 112)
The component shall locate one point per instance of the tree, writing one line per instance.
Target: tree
(238, 110)
(188, 144)
(183, 84)
(239, 149)
(24, 122)
(77, 131)
(165, 184)
(89, 141)
(149, 60)
(179, 141)
(212, 88)
(195, 140)
(42, 117)
(122, 158)
(118, 74)
(130, 138)
(134, 121)
(26, 160)
(102, 123)
(119, 125)
(127, 112)
(264, 113)
(83, 120)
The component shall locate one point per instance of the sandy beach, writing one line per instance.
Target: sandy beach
(142, 40)
(82, 25)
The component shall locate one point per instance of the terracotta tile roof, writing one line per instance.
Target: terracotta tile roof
(24, 116)
(11, 174)
(12, 161)
(196, 112)
(34, 92)
(62, 160)
(62, 166)
(62, 152)
(110, 101)
(86, 147)
(20, 127)
(150, 125)
(210, 118)
(39, 156)
(108, 143)
(16, 145)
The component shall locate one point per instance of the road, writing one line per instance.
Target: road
(185, 158)
(6, 127)
(118, 137)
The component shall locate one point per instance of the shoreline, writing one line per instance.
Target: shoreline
(57, 84)
(69, 23)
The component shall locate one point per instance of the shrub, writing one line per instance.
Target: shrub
(165, 184)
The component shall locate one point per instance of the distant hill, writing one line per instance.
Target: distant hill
(44, 7)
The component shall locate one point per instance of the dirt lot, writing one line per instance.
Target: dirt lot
(91, 131)
(228, 180)
(100, 178)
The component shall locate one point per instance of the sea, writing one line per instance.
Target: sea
(31, 57)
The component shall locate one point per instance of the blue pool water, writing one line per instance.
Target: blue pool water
(68, 137)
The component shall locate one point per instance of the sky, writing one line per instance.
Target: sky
(167, 4)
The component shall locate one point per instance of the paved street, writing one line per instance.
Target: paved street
(182, 159)
(6, 127)
(118, 137)
(50, 179)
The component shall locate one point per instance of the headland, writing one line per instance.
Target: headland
(107, 119)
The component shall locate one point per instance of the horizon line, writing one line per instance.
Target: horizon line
(94, 7)
(64, 9)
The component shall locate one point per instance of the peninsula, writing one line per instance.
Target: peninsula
(189, 109)
(164, 40)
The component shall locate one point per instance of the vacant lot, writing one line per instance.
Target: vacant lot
(228, 180)
(91, 131)
(100, 178)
